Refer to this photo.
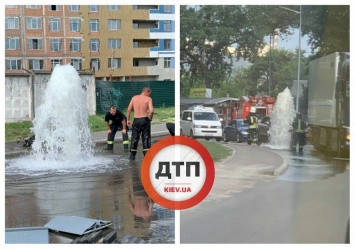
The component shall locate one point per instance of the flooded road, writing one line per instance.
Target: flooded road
(109, 191)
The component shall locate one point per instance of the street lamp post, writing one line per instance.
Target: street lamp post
(299, 53)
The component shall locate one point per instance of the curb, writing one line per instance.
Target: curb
(282, 169)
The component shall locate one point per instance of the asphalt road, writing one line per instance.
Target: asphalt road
(274, 210)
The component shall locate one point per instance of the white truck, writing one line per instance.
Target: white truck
(329, 103)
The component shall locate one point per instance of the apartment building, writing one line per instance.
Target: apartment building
(117, 42)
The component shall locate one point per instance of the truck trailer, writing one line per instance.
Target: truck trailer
(329, 104)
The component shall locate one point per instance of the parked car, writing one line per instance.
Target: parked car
(201, 122)
(236, 130)
(263, 128)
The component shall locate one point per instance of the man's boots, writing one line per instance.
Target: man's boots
(125, 147)
(109, 147)
(133, 155)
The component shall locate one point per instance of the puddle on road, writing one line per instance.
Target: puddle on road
(106, 187)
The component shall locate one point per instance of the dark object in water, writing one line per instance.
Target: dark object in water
(27, 142)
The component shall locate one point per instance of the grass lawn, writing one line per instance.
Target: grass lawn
(18, 130)
(217, 151)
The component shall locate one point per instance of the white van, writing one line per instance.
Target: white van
(200, 122)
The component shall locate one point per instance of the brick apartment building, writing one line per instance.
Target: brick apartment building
(117, 42)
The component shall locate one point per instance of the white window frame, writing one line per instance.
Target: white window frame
(56, 62)
(75, 24)
(113, 7)
(113, 24)
(167, 9)
(94, 23)
(74, 8)
(167, 26)
(12, 43)
(114, 63)
(93, 8)
(57, 7)
(75, 43)
(10, 63)
(36, 64)
(167, 62)
(54, 24)
(34, 23)
(55, 45)
(94, 45)
(33, 6)
(93, 62)
(12, 22)
(76, 63)
(39, 43)
(167, 44)
(114, 43)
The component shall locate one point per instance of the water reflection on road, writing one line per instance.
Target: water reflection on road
(310, 165)
(113, 192)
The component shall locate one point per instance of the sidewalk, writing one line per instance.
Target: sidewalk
(17, 148)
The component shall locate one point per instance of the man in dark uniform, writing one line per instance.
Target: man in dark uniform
(298, 132)
(118, 122)
(252, 120)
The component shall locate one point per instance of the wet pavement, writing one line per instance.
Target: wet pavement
(309, 203)
(108, 188)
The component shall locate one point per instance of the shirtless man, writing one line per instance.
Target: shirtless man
(141, 123)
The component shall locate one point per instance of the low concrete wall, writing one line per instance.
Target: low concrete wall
(24, 93)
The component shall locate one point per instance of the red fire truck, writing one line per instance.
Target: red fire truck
(263, 104)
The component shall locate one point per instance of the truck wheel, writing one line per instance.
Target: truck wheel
(218, 139)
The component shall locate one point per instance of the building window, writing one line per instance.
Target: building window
(12, 43)
(54, 24)
(167, 8)
(135, 44)
(134, 7)
(76, 63)
(75, 24)
(55, 62)
(11, 6)
(75, 45)
(135, 62)
(36, 64)
(56, 45)
(135, 25)
(54, 7)
(74, 7)
(13, 64)
(167, 26)
(167, 44)
(11, 23)
(93, 8)
(114, 43)
(114, 63)
(34, 23)
(94, 25)
(94, 45)
(33, 6)
(113, 7)
(95, 64)
(35, 44)
(114, 24)
(167, 62)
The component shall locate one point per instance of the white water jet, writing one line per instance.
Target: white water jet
(61, 122)
(281, 120)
